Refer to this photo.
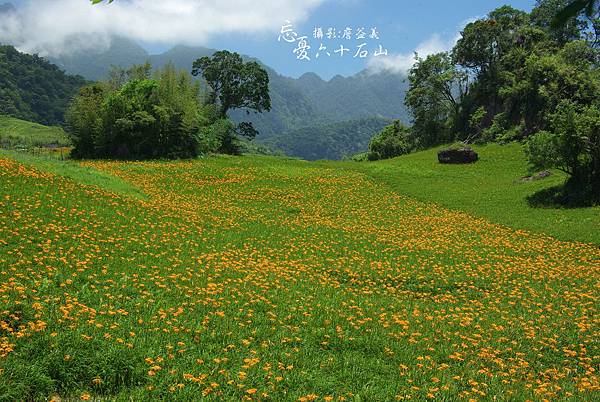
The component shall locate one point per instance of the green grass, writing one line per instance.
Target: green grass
(72, 170)
(16, 133)
(274, 279)
(490, 188)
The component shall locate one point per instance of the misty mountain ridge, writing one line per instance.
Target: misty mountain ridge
(361, 100)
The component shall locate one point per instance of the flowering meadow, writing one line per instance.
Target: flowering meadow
(256, 278)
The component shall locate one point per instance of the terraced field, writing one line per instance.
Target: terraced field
(272, 279)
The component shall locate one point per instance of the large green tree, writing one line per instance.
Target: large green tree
(234, 84)
(437, 88)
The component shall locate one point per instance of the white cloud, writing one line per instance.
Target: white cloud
(49, 27)
(402, 62)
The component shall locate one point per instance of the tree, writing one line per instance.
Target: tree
(536, 84)
(483, 42)
(84, 123)
(572, 146)
(119, 76)
(234, 84)
(144, 118)
(435, 96)
(543, 15)
(393, 141)
(573, 9)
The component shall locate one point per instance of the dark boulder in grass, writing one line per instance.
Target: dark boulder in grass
(457, 156)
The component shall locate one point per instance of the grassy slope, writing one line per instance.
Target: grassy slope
(72, 170)
(275, 279)
(489, 188)
(15, 132)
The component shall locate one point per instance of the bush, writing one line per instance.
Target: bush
(572, 146)
(144, 118)
(391, 142)
(360, 157)
(219, 137)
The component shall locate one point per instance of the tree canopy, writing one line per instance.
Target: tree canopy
(513, 76)
(145, 117)
(33, 89)
(234, 84)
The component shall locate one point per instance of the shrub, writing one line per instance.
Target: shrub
(142, 119)
(219, 137)
(572, 146)
(391, 142)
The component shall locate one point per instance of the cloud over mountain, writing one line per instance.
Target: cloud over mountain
(53, 27)
(402, 62)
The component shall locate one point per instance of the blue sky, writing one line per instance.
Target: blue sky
(403, 26)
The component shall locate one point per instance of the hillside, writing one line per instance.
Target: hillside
(492, 188)
(329, 140)
(33, 89)
(247, 277)
(94, 64)
(15, 133)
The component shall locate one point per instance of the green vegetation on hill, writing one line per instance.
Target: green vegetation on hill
(329, 140)
(138, 114)
(141, 118)
(15, 133)
(514, 75)
(33, 89)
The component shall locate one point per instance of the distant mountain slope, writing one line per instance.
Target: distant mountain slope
(95, 65)
(33, 89)
(330, 141)
(361, 95)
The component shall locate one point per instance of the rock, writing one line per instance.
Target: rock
(459, 155)
(542, 175)
(538, 176)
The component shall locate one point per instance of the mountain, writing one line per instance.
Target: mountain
(95, 64)
(331, 140)
(298, 105)
(361, 95)
(33, 89)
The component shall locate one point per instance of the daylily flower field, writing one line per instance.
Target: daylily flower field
(268, 279)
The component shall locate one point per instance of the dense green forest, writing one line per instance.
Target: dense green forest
(143, 114)
(33, 89)
(330, 140)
